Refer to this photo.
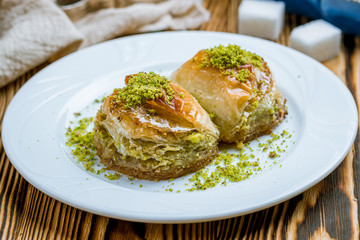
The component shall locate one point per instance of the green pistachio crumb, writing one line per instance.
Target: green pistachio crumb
(81, 141)
(243, 75)
(273, 154)
(114, 176)
(152, 111)
(230, 167)
(102, 170)
(143, 87)
(229, 57)
(212, 116)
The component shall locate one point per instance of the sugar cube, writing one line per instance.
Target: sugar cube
(263, 19)
(318, 39)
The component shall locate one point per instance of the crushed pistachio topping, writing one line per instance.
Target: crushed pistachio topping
(80, 139)
(98, 100)
(236, 167)
(100, 171)
(254, 105)
(227, 170)
(212, 115)
(143, 87)
(229, 57)
(81, 142)
(152, 111)
(243, 75)
(112, 176)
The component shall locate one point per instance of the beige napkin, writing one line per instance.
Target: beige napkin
(33, 31)
(30, 32)
(142, 17)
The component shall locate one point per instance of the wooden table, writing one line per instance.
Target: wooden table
(330, 209)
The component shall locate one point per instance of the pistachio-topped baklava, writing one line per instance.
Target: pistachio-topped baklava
(154, 129)
(237, 88)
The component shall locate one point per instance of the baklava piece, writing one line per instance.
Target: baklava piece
(153, 129)
(237, 88)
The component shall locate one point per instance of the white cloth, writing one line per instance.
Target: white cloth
(30, 32)
(142, 17)
(33, 31)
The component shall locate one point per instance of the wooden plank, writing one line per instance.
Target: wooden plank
(329, 210)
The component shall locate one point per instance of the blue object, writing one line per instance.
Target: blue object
(344, 14)
(309, 8)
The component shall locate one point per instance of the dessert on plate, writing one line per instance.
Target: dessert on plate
(153, 129)
(237, 88)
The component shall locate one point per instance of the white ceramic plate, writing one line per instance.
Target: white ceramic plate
(322, 116)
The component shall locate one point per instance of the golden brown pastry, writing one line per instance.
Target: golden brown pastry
(237, 88)
(153, 129)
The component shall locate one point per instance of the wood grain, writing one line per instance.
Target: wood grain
(329, 210)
